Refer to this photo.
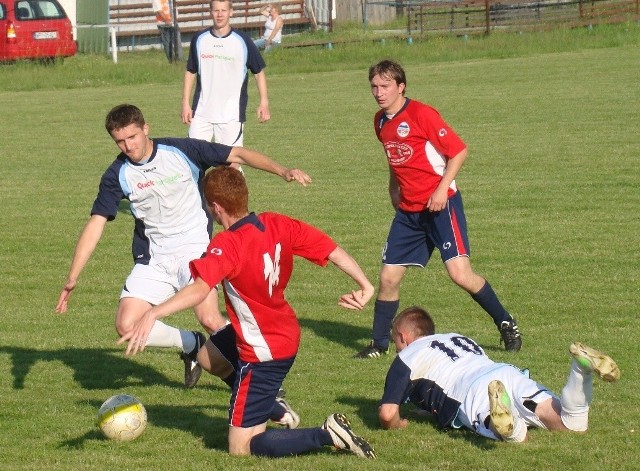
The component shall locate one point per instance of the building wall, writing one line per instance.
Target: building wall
(353, 11)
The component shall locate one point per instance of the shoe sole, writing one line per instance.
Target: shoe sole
(500, 409)
(350, 442)
(598, 362)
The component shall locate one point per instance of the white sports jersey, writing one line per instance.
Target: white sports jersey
(447, 375)
(435, 372)
(221, 65)
(164, 195)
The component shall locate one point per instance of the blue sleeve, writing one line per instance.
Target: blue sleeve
(255, 62)
(397, 385)
(109, 192)
(192, 60)
(203, 154)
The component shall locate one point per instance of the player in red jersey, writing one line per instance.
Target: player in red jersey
(253, 259)
(424, 156)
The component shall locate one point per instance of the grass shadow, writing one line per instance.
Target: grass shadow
(115, 371)
(345, 334)
(192, 419)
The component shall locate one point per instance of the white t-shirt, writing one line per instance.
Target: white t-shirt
(269, 26)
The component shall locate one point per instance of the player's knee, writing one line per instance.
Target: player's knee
(389, 282)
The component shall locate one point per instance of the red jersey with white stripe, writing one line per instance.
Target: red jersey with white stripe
(417, 142)
(254, 260)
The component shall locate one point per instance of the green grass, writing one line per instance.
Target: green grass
(151, 67)
(551, 194)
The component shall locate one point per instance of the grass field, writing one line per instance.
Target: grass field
(551, 194)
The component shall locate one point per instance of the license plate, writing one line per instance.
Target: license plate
(45, 35)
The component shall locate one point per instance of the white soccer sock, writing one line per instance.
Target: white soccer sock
(576, 397)
(163, 335)
(519, 429)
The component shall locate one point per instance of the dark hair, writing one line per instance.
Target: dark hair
(390, 70)
(122, 116)
(227, 187)
(417, 319)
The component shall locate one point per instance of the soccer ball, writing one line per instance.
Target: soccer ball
(122, 417)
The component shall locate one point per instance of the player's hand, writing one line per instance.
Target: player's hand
(264, 114)
(137, 336)
(356, 300)
(63, 300)
(187, 114)
(438, 200)
(297, 175)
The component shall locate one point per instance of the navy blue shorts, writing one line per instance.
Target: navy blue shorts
(255, 391)
(413, 236)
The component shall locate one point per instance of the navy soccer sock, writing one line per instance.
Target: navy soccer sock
(276, 443)
(383, 314)
(488, 300)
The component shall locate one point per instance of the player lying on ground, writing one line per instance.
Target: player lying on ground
(449, 376)
(253, 260)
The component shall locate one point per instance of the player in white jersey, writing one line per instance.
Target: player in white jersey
(219, 58)
(161, 179)
(450, 377)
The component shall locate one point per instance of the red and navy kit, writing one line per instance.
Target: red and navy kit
(254, 260)
(417, 142)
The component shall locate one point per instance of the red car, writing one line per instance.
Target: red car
(34, 29)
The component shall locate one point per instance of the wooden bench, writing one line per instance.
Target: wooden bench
(136, 21)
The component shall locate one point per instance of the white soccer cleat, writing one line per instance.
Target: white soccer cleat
(500, 409)
(344, 439)
(596, 361)
(290, 419)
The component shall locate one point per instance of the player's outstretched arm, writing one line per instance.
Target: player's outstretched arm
(187, 297)
(357, 299)
(252, 158)
(87, 243)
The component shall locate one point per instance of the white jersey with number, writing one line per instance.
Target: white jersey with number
(447, 375)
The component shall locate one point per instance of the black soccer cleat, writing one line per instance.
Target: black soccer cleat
(192, 370)
(510, 335)
(371, 351)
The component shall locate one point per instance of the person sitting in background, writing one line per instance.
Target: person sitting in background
(272, 36)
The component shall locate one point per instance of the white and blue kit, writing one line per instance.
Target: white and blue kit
(172, 226)
(221, 65)
(448, 375)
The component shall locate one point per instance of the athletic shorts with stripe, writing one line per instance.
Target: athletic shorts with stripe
(413, 236)
(255, 391)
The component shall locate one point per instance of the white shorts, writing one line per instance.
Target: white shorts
(158, 281)
(230, 134)
(475, 408)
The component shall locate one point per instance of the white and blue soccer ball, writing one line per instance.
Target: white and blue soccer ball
(122, 417)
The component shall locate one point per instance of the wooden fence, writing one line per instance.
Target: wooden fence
(473, 16)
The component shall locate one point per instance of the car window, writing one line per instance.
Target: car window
(38, 10)
(3, 12)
